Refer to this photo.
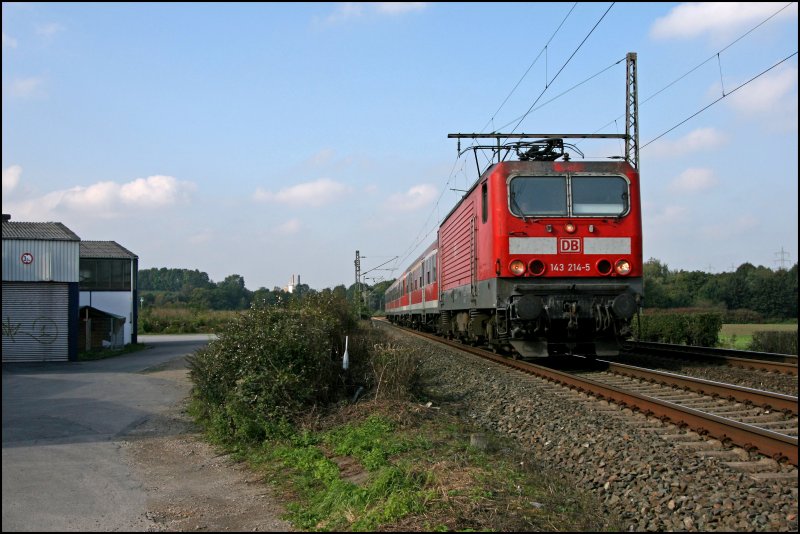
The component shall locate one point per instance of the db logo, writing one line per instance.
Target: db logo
(27, 258)
(570, 245)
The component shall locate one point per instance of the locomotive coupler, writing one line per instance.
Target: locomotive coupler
(573, 316)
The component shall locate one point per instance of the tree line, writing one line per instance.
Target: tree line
(761, 293)
(166, 287)
(768, 294)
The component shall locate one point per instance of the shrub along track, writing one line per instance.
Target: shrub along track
(639, 463)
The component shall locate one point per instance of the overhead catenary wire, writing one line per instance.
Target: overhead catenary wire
(420, 238)
(724, 95)
(548, 84)
(690, 71)
(544, 48)
(533, 107)
(595, 75)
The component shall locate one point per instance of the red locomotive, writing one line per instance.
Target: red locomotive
(543, 255)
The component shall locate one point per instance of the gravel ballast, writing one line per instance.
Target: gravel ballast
(644, 470)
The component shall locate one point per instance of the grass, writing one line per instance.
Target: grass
(102, 354)
(396, 466)
(740, 336)
(183, 320)
(388, 462)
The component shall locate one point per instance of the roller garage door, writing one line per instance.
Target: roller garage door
(36, 325)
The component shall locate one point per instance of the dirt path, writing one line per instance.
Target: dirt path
(191, 486)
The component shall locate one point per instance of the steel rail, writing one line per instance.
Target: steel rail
(776, 401)
(751, 438)
(765, 361)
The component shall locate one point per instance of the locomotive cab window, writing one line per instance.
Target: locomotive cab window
(566, 196)
(538, 195)
(599, 195)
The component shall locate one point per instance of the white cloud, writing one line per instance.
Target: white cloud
(48, 31)
(731, 228)
(352, 10)
(701, 139)
(292, 226)
(11, 178)
(154, 191)
(204, 237)
(321, 158)
(346, 11)
(398, 8)
(694, 180)
(26, 87)
(317, 193)
(767, 93)
(107, 199)
(9, 42)
(413, 199)
(715, 18)
(665, 216)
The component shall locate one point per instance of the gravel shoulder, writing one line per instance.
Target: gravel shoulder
(649, 473)
(190, 485)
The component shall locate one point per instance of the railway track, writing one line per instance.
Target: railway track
(754, 420)
(762, 361)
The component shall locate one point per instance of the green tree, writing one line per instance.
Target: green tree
(232, 294)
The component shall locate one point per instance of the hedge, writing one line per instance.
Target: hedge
(698, 329)
(777, 342)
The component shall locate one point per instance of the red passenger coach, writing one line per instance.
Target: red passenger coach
(541, 255)
(413, 299)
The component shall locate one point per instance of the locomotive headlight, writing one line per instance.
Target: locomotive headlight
(570, 228)
(517, 268)
(623, 267)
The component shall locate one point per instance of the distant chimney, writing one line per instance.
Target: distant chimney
(6, 217)
(298, 279)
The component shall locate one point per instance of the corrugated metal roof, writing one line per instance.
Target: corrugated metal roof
(48, 231)
(105, 249)
(98, 312)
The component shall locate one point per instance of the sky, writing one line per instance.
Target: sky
(269, 140)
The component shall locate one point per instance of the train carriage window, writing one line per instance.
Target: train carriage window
(599, 195)
(538, 195)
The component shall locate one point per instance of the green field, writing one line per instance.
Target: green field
(739, 336)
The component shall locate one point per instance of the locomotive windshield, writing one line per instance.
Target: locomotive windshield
(562, 196)
(540, 195)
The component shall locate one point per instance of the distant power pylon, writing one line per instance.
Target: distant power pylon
(782, 259)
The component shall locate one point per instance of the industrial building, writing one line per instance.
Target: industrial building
(108, 295)
(62, 295)
(40, 291)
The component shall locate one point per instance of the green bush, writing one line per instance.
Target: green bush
(777, 342)
(699, 329)
(742, 316)
(269, 367)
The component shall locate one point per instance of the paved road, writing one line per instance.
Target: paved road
(62, 463)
